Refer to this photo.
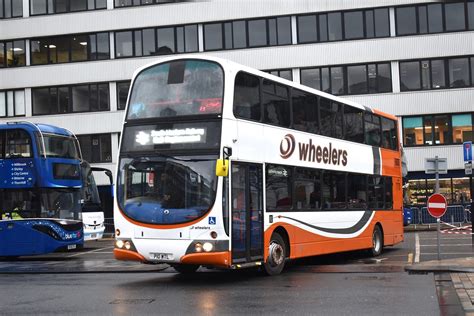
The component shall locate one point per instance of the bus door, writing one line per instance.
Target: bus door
(247, 212)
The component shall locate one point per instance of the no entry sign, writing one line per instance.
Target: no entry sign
(437, 205)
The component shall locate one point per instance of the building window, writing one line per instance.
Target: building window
(282, 73)
(462, 128)
(430, 74)
(96, 148)
(350, 79)
(69, 48)
(443, 129)
(359, 24)
(11, 9)
(12, 103)
(247, 33)
(122, 94)
(70, 99)
(130, 3)
(12, 54)
(41, 7)
(455, 190)
(159, 41)
(433, 18)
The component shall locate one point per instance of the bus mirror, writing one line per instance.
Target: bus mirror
(222, 168)
(226, 152)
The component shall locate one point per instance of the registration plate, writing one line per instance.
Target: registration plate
(93, 235)
(161, 256)
(69, 247)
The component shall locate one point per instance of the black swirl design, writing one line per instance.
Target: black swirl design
(287, 146)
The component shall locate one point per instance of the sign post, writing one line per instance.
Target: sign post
(437, 207)
(467, 153)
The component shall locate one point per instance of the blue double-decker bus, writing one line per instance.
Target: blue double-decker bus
(40, 189)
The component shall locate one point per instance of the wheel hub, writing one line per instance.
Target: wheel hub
(276, 254)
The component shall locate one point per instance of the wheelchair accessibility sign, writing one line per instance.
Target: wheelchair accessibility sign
(212, 220)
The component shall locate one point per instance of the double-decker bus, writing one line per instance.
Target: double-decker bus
(40, 189)
(225, 166)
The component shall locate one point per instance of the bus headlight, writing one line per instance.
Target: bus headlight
(119, 244)
(198, 247)
(128, 245)
(207, 247)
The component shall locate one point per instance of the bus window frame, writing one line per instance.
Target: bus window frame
(341, 104)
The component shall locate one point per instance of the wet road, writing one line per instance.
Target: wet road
(343, 284)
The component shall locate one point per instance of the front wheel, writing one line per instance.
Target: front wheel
(186, 268)
(277, 252)
(377, 242)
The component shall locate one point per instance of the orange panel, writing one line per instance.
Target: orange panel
(127, 255)
(304, 243)
(219, 259)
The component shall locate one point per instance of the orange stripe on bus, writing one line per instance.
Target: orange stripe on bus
(220, 259)
(304, 243)
(127, 255)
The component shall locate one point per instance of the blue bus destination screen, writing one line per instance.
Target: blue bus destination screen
(18, 173)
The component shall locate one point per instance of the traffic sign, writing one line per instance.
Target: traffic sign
(437, 205)
(436, 165)
(467, 150)
(468, 168)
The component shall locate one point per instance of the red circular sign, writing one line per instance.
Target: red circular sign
(437, 205)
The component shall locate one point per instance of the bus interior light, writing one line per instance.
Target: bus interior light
(207, 247)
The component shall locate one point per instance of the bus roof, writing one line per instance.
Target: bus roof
(34, 127)
(230, 64)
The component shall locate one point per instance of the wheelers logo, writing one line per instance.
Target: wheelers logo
(312, 152)
(287, 146)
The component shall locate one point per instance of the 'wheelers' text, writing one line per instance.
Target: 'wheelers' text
(327, 155)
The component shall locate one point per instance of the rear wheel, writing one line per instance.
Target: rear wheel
(277, 252)
(186, 268)
(377, 241)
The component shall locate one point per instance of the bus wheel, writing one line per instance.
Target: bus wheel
(186, 268)
(276, 255)
(377, 242)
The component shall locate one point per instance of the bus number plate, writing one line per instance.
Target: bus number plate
(93, 235)
(69, 247)
(161, 256)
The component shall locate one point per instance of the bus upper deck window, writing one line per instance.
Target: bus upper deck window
(18, 144)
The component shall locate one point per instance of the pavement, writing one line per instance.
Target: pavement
(460, 273)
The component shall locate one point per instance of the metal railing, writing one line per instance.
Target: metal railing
(455, 214)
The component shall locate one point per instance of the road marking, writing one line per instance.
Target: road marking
(410, 258)
(91, 251)
(450, 245)
(417, 248)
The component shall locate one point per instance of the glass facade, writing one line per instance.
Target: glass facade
(12, 54)
(42, 7)
(11, 9)
(434, 18)
(132, 3)
(96, 148)
(345, 25)
(349, 79)
(456, 190)
(438, 73)
(156, 41)
(69, 48)
(12, 103)
(439, 129)
(70, 99)
(122, 94)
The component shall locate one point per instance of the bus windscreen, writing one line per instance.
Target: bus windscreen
(177, 88)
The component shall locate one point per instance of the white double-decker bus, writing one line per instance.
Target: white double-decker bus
(222, 165)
